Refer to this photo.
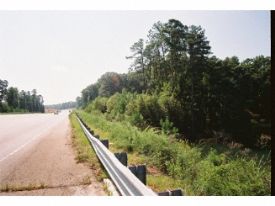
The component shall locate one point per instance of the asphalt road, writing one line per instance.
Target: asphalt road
(36, 149)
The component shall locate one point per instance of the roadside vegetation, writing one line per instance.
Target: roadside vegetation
(13, 101)
(201, 120)
(61, 106)
(198, 169)
(175, 84)
(85, 153)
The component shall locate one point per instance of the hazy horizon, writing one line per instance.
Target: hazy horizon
(59, 53)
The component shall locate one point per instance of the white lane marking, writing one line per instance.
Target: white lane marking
(23, 145)
(17, 149)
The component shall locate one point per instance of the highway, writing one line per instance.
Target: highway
(36, 149)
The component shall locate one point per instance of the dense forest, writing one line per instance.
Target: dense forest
(11, 100)
(64, 105)
(176, 84)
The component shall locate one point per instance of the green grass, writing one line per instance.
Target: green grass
(201, 169)
(156, 179)
(85, 153)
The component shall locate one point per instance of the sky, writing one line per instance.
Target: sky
(59, 53)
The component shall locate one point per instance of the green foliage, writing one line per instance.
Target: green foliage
(13, 97)
(173, 109)
(168, 127)
(117, 103)
(88, 94)
(3, 89)
(13, 101)
(173, 76)
(4, 107)
(203, 172)
(226, 178)
(136, 119)
(147, 107)
(64, 105)
(241, 88)
(174, 86)
(110, 83)
(138, 55)
(98, 104)
(134, 82)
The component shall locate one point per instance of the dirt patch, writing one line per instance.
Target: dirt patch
(152, 170)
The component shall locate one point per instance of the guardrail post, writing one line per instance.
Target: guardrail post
(166, 193)
(90, 130)
(133, 169)
(105, 142)
(122, 157)
(96, 136)
(140, 172)
(177, 192)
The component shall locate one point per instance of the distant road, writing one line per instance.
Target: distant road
(36, 149)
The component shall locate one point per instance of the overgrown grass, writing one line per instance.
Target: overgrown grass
(85, 153)
(156, 179)
(197, 169)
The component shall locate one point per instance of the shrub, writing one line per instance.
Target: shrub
(117, 103)
(146, 106)
(98, 104)
(167, 126)
(236, 177)
(164, 156)
(136, 119)
(4, 107)
(174, 111)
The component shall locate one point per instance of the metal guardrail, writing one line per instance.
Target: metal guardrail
(126, 182)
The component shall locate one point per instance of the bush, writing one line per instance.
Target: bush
(4, 107)
(163, 157)
(236, 177)
(146, 106)
(98, 104)
(136, 119)
(117, 103)
(174, 111)
(167, 127)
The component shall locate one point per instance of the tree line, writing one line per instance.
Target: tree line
(64, 105)
(181, 83)
(11, 100)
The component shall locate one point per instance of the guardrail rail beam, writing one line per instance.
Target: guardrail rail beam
(126, 182)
